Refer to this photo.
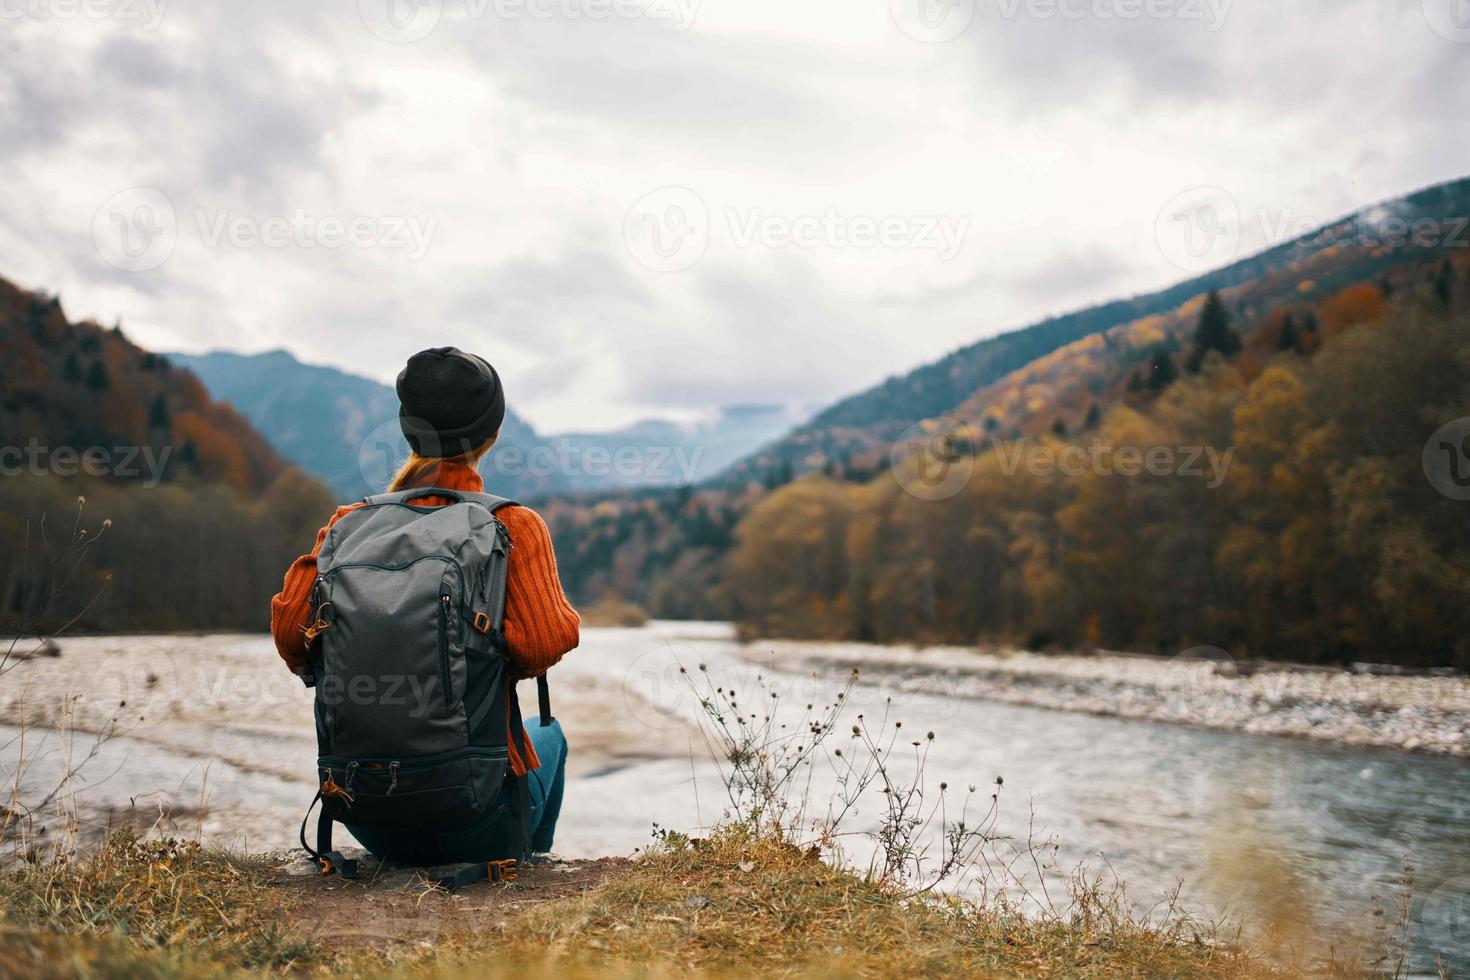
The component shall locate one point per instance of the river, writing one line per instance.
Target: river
(214, 737)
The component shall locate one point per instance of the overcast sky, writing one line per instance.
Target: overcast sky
(651, 207)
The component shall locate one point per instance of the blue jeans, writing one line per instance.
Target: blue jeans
(490, 839)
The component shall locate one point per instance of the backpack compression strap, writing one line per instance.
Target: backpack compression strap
(325, 856)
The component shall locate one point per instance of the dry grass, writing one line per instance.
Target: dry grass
(739, 903)
(164, 900)
(755, 904)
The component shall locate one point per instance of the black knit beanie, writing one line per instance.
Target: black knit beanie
(451, 402)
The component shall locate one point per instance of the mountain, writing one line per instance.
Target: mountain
(81, 386)
(858, 430)
(1282, 483)
(340, 427)
(670, 551)
(129, 499)
(343, 428)
(671, 454)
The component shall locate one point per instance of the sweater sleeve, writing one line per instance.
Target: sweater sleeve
(291, 608)
(540, 624)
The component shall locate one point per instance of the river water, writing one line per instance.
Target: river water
(214, 737)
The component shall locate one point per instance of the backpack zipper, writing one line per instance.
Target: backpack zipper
(414, 764)
(444, 601)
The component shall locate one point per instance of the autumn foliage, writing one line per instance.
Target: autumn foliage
(203, 514)
(1143, 563)
(1323, 541)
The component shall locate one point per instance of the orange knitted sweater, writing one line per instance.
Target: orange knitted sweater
(540, 624)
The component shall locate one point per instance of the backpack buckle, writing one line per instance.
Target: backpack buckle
(482, 623)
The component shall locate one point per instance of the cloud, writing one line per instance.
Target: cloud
(521, 143)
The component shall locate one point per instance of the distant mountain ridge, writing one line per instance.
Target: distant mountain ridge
(343, 428)
(864, 423)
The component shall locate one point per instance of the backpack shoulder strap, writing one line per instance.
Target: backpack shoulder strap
(490, 502)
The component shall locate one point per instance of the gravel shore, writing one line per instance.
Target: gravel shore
(1413, 714)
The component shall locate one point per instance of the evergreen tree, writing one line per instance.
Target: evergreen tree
(158, 413)
(1161, 370)
(97, 378)
(1444, 284)
(1059, 428)
(71, 369)
(1094, 416)
(1213, 333)
(37, 313)
(1289, 337)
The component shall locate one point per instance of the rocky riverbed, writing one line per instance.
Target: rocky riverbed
(1205, 689)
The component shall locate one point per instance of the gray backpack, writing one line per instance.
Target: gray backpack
(413, 692)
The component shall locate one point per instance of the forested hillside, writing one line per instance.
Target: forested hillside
(81, 385)
(1280, 510)
(672, 552)
(856, 431)
(201, 514)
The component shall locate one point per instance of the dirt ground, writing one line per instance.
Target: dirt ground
(392, 905)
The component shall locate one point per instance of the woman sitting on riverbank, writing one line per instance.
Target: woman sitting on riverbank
(452, 409)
